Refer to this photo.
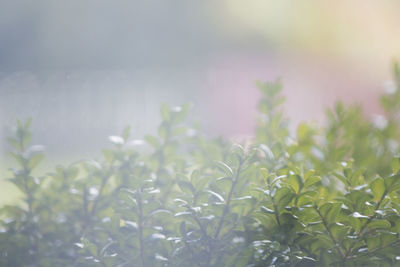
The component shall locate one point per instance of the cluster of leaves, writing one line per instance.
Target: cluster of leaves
(325, 197)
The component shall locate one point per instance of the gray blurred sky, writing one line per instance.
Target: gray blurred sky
(109, 34)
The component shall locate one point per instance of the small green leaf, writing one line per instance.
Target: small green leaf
(311, 181)
(330, 211)
(186, 187)
(295, 182)
(359, 215)
(179, 113)
(339, 230)
(224, 167)
(153, 141)
(378, 188)
(14, 143)
(379, 224)
(305, 198)
(35, 160)
(283, 197)
(267, 210)
(267, 152)
(392, 183)
(218, 196)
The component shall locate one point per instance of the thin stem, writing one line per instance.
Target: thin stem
(101, 189)
(225, 211)
(360, 232)
(337, 246)
(374, 215)
(276, 212)
(228, 200)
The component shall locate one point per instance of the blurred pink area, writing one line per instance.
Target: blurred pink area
(310, 86)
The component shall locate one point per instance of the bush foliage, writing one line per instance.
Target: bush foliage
(329, 196)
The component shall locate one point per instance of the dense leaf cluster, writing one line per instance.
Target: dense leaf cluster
(325, 197)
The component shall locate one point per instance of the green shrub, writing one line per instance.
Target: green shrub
(328, 197)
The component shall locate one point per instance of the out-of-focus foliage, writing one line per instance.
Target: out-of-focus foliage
(325, 197)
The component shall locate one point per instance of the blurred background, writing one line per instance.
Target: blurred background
(83, 70)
